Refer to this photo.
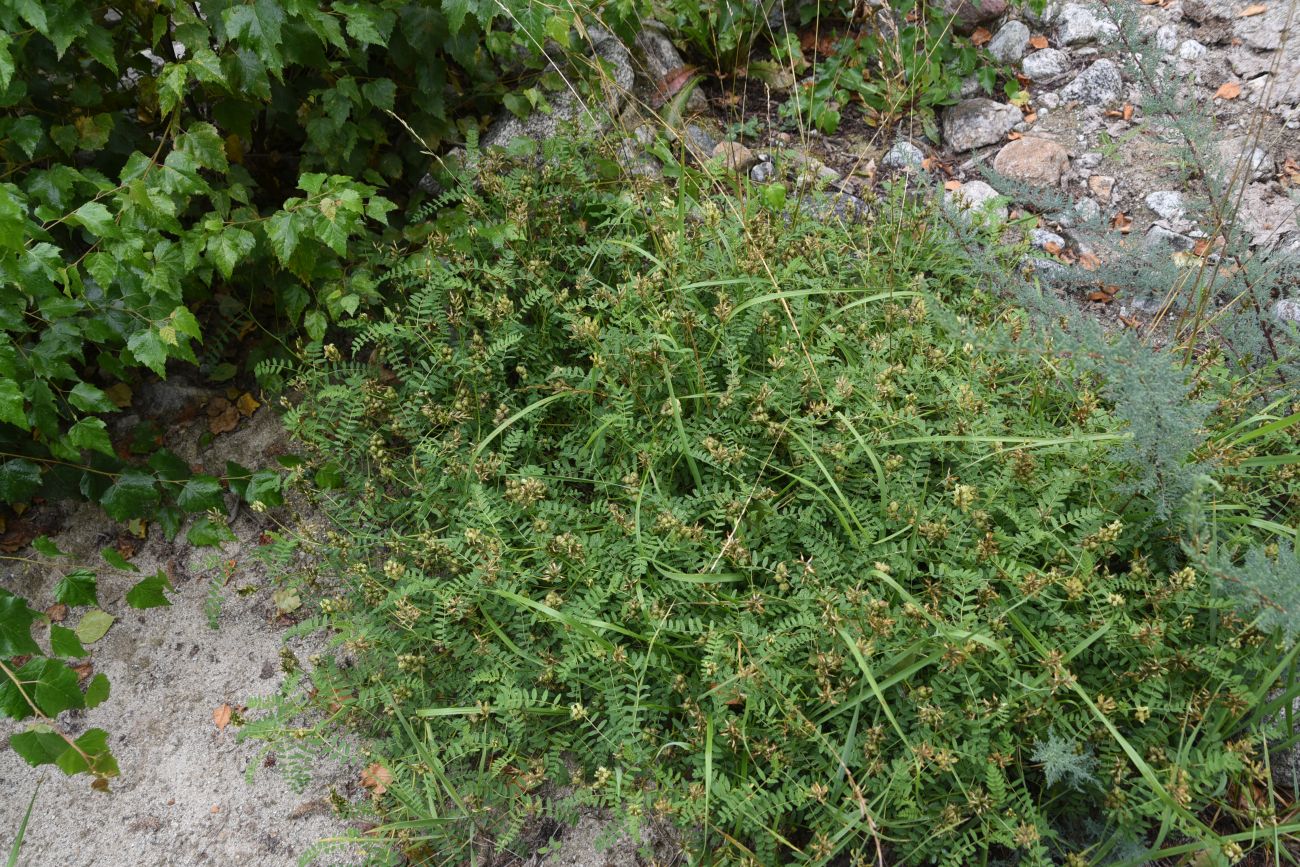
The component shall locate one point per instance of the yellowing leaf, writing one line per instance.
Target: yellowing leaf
(234, 149)
(94, 624)
(247, 404)
(119, 394)
(221, 716)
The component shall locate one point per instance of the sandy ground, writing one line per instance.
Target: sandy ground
(182, 798)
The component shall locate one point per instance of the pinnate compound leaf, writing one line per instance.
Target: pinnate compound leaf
(78, 587)
(150, 593)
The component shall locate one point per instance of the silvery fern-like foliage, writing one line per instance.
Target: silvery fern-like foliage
(1065, 761)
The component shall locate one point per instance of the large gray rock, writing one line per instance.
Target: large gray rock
(1282, 89)
(976, 197)
(567, 106)
(1268, 57)
(1167, 204)
(966, 15)
(1042, 239)
(903, 155)
(762, 173)
(1163, 236)
(1032, 160)
(1264, 31)
(1100, 84)
(975, 123)
(1010, 42)
(1202, 11)
(1076, 24)
(1167, 38)
(699, 143)
(1046, 66)
(1266, 216)
(734, 156)
(1241, 157)
(837, 207)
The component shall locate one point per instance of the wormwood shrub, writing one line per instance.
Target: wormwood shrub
(780, 530)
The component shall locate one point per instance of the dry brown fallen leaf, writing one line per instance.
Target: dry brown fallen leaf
(1254, 9)
(221, 716)
(952, 186)
(1128, 111)
(1228, 90)
(1089, 261)
(1123, 222)
(84, 671)
(673, 82)
(981, 36)
(1053, 248)
(376, 778)
(58, 612)
(1013, 135)
(1038, 42)
(223, 417)
(247, 404)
